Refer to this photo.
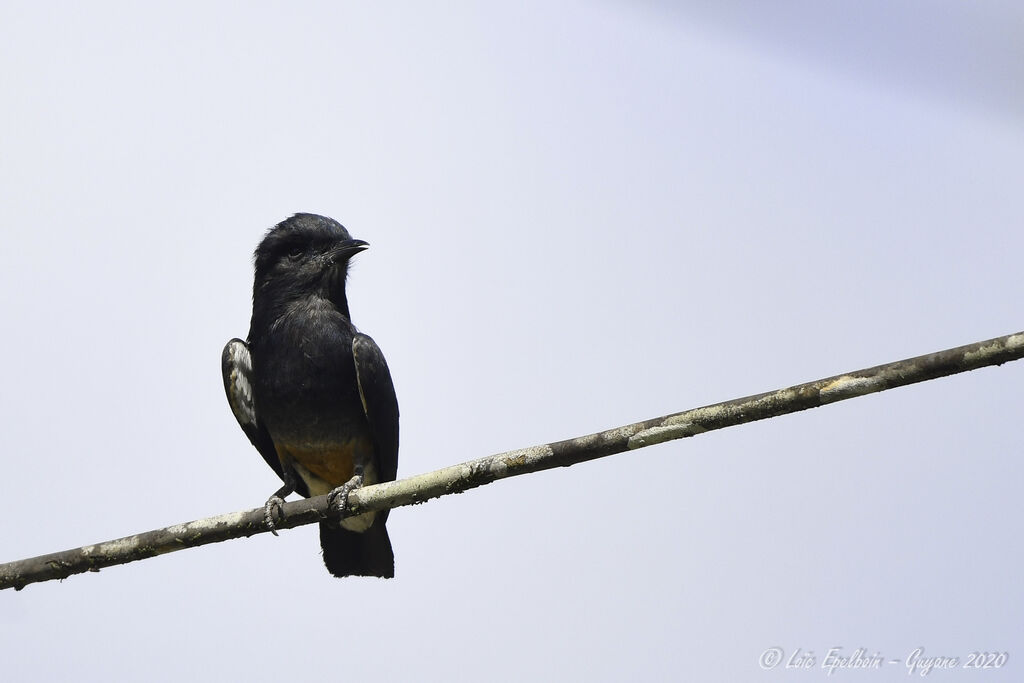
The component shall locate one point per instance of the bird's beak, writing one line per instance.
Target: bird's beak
(346, 250)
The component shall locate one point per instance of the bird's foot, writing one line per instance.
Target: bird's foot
(270, 508)
(275, 502)
(338, 498)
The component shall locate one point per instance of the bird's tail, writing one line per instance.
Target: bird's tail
(352, 553)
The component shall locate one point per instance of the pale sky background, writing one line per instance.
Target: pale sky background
(581, 215)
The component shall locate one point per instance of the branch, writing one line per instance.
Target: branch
(468, 475)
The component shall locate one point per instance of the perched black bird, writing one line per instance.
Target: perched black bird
(312, 393)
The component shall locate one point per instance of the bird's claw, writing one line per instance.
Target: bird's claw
(338, 498)
(272, 505)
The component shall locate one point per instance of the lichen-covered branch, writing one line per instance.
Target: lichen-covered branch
(458, 478)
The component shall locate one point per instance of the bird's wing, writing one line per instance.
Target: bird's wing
(236, 366)
(379, 403)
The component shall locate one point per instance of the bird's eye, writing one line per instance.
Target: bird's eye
(295, 253)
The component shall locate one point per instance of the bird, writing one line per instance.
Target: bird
(314, 394)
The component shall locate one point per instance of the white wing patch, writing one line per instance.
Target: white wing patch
(239, 382)
(359, 378)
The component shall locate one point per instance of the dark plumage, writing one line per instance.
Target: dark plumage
(313, 394)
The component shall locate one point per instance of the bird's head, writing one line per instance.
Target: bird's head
(305, 255)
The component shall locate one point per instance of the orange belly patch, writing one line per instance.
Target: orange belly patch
(324, 467)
